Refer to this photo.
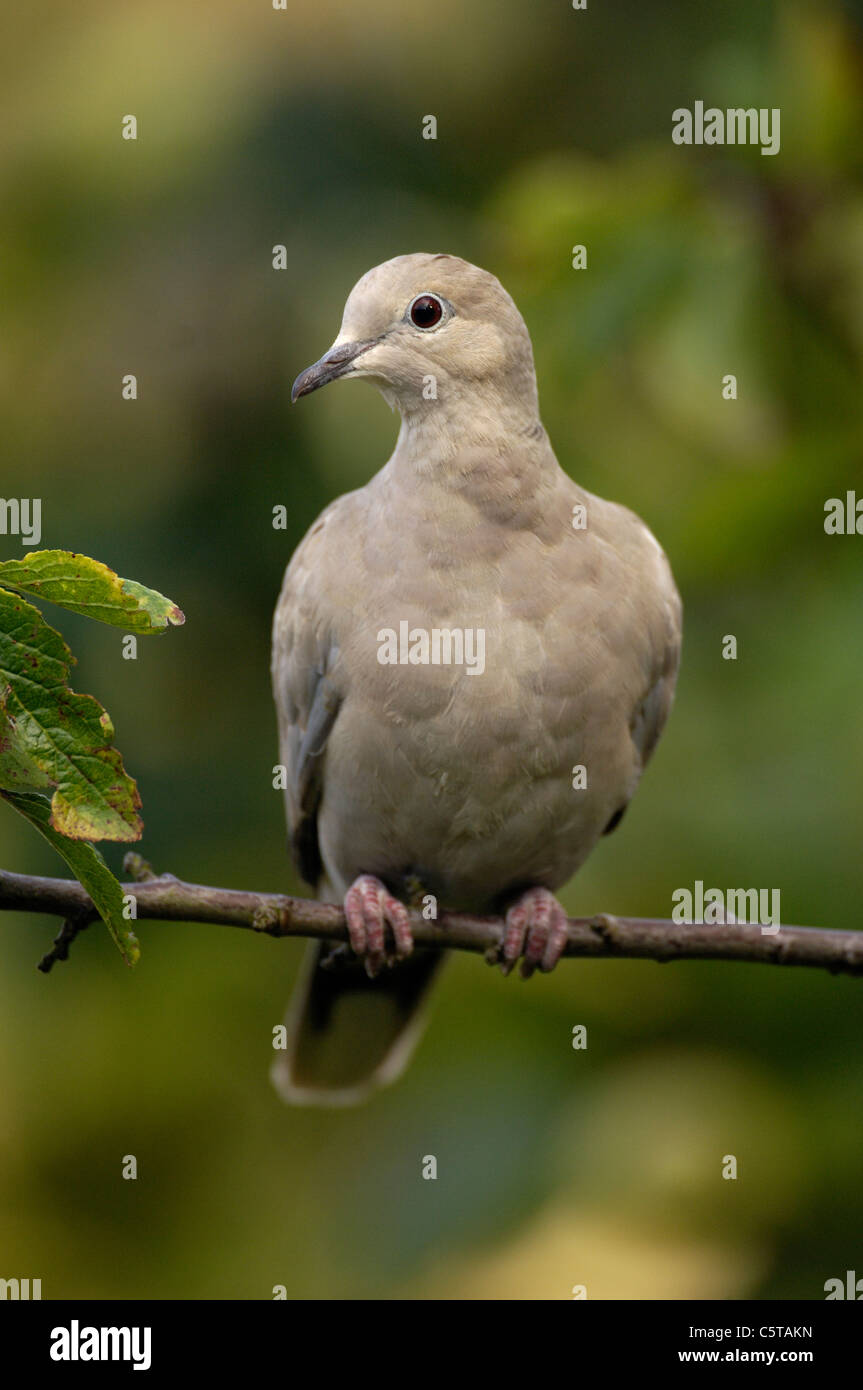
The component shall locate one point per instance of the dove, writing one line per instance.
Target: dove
(415, 777)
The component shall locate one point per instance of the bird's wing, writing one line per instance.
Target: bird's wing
(306, 689)
(660, 615)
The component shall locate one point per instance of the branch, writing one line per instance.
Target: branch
(165, 898)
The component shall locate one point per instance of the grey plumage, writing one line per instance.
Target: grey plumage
(432, 779)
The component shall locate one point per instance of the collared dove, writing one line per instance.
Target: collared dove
(446, 769)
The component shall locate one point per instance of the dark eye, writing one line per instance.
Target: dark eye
(425, 311)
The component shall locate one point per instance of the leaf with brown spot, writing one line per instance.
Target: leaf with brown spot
(88, 587)
(60, 739)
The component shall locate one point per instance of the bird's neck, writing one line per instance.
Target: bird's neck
(439, 434)
(498, 466)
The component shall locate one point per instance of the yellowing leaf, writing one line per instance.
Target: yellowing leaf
(88, 587)
(89, 868)
(67, 737)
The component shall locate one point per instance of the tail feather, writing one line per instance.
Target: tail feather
(347, 1034)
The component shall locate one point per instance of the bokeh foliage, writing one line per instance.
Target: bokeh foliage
(258, 128)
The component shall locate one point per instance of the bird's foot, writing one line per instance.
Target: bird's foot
(369, 910)
(535, 927)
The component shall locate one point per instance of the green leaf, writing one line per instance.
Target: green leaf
(89, 868)
(88, 587)
(17, 769)
(67, 737)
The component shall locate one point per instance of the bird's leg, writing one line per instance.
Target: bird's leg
(369, 909)
(535, 926)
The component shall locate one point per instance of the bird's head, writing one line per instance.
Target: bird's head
(425, 327)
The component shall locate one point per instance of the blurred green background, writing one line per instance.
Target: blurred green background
(257, 128)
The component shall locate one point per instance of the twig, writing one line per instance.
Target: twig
(74, 924)
(165, 898)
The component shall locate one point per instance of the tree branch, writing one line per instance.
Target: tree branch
(165, 898)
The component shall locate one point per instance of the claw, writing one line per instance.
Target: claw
(536, 927)
(369, 910)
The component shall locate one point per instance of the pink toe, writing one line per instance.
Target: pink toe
(355, 919)
(536, 926)
(369, 909)
(397, 916)
(513, 939)
(556, 944)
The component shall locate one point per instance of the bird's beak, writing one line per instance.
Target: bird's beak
(330, 367)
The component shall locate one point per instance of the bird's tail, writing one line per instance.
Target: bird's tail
(348, 1034)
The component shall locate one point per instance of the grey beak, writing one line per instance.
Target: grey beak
(330, 367)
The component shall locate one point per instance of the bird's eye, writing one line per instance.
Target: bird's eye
(425, 311)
